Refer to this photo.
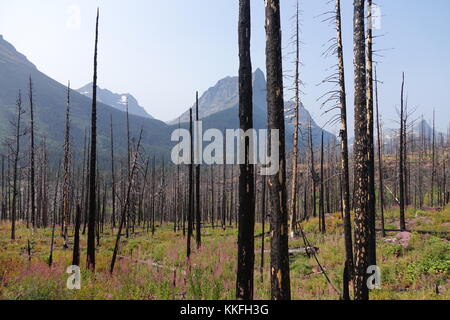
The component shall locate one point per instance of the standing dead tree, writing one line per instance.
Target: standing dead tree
(113, 178)
(76, 240)
(337, 99)
(380, 158)
(344, 156)
(433, 161)
(401, 168)
(370, 136)
(360, 152)
(246, 209)
(32, 153)
(279, 254)
(15, 150)
(92, 165)
(126, 203)
(66, 184)
(55, 210)
(191, 191)
(198, 216)
(294, 183)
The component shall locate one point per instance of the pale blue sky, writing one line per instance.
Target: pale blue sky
(163, 51)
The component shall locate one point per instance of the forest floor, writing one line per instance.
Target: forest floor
(414, 266)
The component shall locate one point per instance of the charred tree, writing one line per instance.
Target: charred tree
(90, 264)
(344, 156)
(76, 241)
(15, 154)
(370, 135)
(191, 191)
(361, 169)
(401, 167)
(32, 164)
(279, 254)
(113, 179)
(66, 185)
(198, 216)
(322, 225)
(126, 203)
(246, 213)
(380, 159)
(294, 183)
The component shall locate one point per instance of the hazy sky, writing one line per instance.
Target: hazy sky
(163, 51)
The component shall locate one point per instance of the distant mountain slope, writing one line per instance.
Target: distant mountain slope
(218, 108)
(50, 105)
(115, 100)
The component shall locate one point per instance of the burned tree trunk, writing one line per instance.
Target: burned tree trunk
(313, 170)
(66, 185)
(126, 203)
(361, 169)
(113, 180)
(246, 213)
(279, 254)
(55, 210)
(198, 216)
(32, 164)
(433, 162)
(344, 156)
(293, 208)
(191, 191)
(401, 169)
(76, 241)
(322, 225)
(370, 136)
(90, 264)
(263, 221)
(16, 152)
(380, 159)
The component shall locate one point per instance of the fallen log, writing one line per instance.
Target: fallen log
(305, 250)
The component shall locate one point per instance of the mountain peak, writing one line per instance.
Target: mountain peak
(115, 100)
(259, 74)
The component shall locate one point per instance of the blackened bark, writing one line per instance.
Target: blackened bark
(32, 164)
(198, 216)
(321, 195)
(370, 134)
(90, 264)
(280, 279)
(380, 159)
(246, 213)
(113, 179)
(360, 157)
(263, 218)
(293, 208)
(76, 241)
(344, 157)
(126, 203)
(191, 191)
(401, 168)
(433, 161)
(65, 219)
(55, 210)
(16, 152)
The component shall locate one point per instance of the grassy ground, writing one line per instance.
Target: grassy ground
(156, 267)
